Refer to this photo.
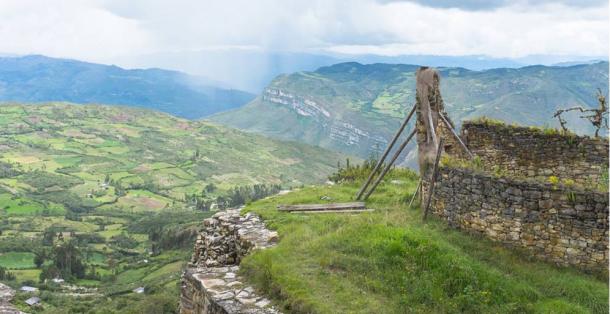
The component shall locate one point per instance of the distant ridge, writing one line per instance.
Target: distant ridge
(37, 78)
(355, 108)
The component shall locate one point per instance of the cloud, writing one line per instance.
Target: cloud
(101, 30)
(67, 29)
(512, 31)
(477, 5)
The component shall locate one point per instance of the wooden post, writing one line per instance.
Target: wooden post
(456, 135)
(389, 165)
(385, 154)
(433, 180)
(415, 193)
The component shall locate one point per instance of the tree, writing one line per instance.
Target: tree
(5, 274)
(598, 118)
(67, 258)
(48, 237)
(39, 257)
(210, 188)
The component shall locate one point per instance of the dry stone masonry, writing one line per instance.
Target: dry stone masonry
(211, 283)
(534, 153)
(555, 223)
(6, 296)
(518, 205)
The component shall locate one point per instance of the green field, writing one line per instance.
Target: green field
(390, 261)
(17, 260)
(128, 188)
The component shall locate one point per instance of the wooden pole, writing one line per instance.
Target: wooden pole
(389, 165)
(456, 135)
(415, 193)
(433, 180)
(385, 154)
(432, 130)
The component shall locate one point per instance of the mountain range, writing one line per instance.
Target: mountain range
(347, 107)
(355, 108)
(39, 79)
(252, 69)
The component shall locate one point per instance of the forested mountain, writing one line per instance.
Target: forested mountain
(40, 79)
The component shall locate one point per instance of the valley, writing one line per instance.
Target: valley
(121, 193)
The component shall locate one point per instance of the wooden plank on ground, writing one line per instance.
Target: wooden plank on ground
(342, 211)
(321, 207)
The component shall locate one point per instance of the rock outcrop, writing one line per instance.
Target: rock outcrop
(211, 283)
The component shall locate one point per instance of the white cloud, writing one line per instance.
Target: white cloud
(68, 29)
(104, 29)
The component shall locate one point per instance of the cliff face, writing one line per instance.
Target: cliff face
(211, 283)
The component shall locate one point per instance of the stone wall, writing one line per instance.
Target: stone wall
(211, 283)
(534, 153)
(6, 296)
(553, 222)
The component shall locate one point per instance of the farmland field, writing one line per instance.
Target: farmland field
(126, 189)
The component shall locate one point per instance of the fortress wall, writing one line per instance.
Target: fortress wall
(553, 222)
(211, 283)
(535, 153)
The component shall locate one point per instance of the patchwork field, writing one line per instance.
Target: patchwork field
(128, 188)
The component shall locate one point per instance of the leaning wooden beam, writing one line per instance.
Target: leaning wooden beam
(415, 193)
(456, 135)
(322, 207)
(385, 154)
(389, 165)
(433, 180)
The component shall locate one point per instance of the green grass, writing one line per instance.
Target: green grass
(171, 269)
(17, 260)
(27, 274)
(390, 260)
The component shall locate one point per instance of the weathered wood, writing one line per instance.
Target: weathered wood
(439, 151)
(432, 129)
(342, 211)
(321, 207)
(448, 125)
(429, 104)
(389, 165)
(415, 193)
(385, 154)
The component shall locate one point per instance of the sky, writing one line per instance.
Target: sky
(103, 29)
(123, 32)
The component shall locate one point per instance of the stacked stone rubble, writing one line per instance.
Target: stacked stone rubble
(211, 283)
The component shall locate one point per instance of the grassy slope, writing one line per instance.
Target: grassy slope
(52, 156)
(75, 147)
(390, 262)
(376, 97)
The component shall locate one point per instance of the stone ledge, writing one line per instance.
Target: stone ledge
(211, 283)
(6, 296)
